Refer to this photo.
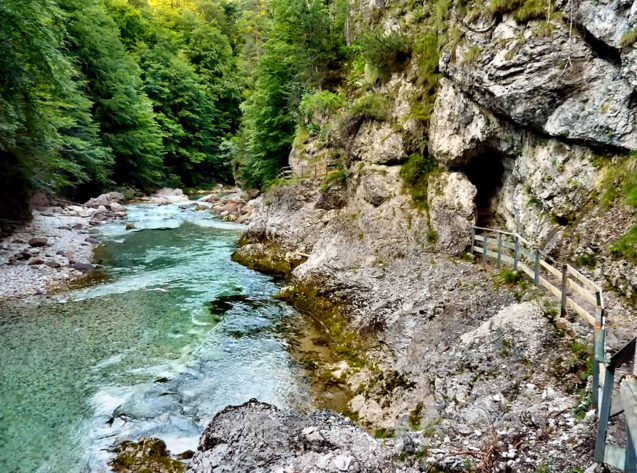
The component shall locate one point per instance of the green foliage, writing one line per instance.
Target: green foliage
(587, 259)
(123, 111)
(506, 276)
(303, 49)
(415, 417)
(415, 173)
(385, 52)
(371, 106)
(75, 115)
(321, 102)
(471, 54)
(336, 178)
(629, 38)
(523, 10)
(626, 246)
(384, 433)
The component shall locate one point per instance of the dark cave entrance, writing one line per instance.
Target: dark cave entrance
(486, 173)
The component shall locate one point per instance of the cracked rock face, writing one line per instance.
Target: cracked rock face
(557, 83)
(257, 437)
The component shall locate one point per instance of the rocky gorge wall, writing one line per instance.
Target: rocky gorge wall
(531, 131)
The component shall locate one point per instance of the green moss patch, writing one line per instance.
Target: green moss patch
(148, 455)
(347, 344)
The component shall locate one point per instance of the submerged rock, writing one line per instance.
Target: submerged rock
(258, 437)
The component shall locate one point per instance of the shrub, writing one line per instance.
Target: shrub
(626, 246)
(471, 54)
(372, 106)
(334, 179)
(523, 10)
(587, 259)
(415, 173)
(386, 53)
(509, 277)
(530, 10)
(320, 102)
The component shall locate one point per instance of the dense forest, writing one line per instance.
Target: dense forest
(107, 94)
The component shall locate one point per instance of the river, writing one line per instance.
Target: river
(174, 332)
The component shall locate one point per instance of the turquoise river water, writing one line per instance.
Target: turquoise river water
(174, 333)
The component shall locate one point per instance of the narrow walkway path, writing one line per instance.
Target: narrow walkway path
(578, 294)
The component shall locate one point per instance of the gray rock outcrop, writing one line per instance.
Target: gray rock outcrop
(259, 438)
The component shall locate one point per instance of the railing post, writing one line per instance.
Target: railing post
(599, 356)
(484, 249)
(604, 414)
(473, 241)
(564, 290)
(630, 463)
(499, 250)
(516, 257)
(537, 267)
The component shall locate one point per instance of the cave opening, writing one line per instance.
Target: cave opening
(486, 173)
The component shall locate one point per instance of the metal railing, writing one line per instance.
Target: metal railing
(585, 298)
(310, 171)
(615, 402)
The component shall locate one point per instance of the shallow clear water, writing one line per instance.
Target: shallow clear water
(175, 333)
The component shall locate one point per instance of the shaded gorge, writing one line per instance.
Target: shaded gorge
(173, 332)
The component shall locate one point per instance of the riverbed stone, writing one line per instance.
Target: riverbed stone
(38, 241)
(83, 267)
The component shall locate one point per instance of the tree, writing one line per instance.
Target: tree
(120, 107)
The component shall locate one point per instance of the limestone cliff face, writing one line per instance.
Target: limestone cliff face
(530, 123)
(523, 112)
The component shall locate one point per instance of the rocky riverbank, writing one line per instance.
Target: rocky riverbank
(476, 366)
(56, 247)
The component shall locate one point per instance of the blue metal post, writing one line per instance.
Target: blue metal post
(499, 250)
(604, 414)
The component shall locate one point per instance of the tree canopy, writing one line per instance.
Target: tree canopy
(99, 94)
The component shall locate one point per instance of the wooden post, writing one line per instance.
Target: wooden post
(484, 249)
(516, 257)
(473, 241)
(499, 249)
(564, 290)
(537, 267)
(604, 414)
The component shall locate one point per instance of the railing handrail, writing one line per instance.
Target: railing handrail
(603, 397)
(320, 169)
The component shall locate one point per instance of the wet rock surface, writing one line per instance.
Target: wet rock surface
(147, 455)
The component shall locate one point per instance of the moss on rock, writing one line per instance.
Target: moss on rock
(147, 455)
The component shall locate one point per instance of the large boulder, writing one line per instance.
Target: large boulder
(106, 200)
(167, 196)
(258, 437)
